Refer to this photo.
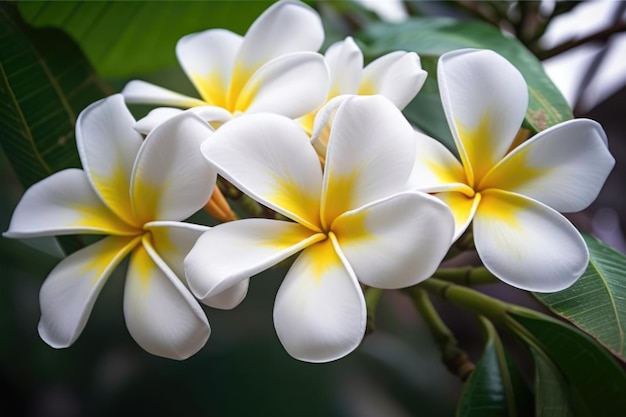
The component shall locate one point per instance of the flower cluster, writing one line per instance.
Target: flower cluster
(357, 193)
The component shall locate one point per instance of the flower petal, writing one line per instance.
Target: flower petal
(232, 252)
(173, 241)
(107, 145)
(485, 98)
(397, 75)
(345, 61)
(527, 244)
(463, 209)
(64, 203)
(208, 59)
(371, 152)
(141, 92)
(564, 166)
(320, 312)
(213, 115)
(322, 123)
(69, 292)
(436, 168)
(161, 314)
(279, 86)
(171, 179)
(269, 157)
(395, 242)
(283, 28)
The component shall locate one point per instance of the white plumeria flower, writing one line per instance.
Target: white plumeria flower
(353, 222)
(397, 75)
(513, 196)
(136, 192)
(273, 68)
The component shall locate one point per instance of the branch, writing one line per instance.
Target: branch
(601, 35)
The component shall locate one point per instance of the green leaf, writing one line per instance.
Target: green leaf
(551, 394)
(595, 382)
(431, 37)
(596, 303)
(44, 83)
(494, 388)
(126, 38)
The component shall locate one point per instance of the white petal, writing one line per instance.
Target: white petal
(436, 168)
(320, 312)
(161, 314)
(107, 145)
(283, 28)
(208, 59)
(154, 118)
(526, 244)
(69, 292)
(398, 76)
(141, 92)
(292, 85)
(463, 209)
(396, 242)
(64, 203)
(322, 124)
(213, 115)
(564, 166)
(232, 252)
(371, 152)
(171, 179)
(269, 157)
(485, 98)
(173, 241)
(345, 61)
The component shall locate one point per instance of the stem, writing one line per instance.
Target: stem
(455, 359)
(465, 297)
(601, 35)
(466, 275)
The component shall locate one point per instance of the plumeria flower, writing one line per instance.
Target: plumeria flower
(397, 75)
(135, 192)
(353, 222)
(513, 194)
(273, 68)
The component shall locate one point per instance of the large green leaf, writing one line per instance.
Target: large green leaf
(494, 388)
(431, 37)
(551, 395)
(596, 303)
(126, 38)
(594, 380)
(44, 83)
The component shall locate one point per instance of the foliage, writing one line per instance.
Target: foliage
(48, 75)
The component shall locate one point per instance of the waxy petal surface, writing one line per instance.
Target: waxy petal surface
(436, 168)
(291, 85)
(320, 312)
(71, 206)
(269, 157)
(68, 294)
(463, 209)
(208, 59)
(107, 145)
(141, 92)
(230, 253)
(171, 179)
(371, 153)
(211, 114)
(564, 166)
(396, 242)
(283, 28)
(398, 76)
(161, 314)
(345, 61)
(526, 244)
(485, 99)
